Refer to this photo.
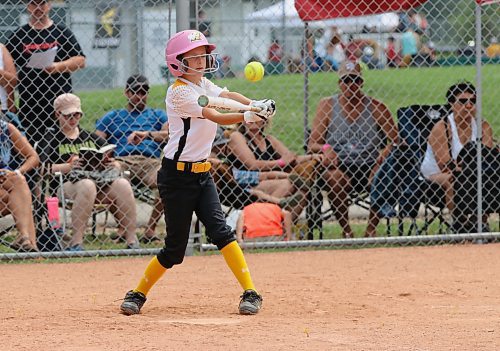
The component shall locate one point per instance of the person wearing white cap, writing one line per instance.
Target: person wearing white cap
(84, 186)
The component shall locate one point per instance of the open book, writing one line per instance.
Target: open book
(93, 159)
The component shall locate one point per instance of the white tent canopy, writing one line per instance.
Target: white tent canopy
(284, 14)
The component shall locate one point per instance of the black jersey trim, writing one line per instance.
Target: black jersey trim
(183, 138)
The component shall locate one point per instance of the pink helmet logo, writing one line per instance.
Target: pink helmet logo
(181, 43)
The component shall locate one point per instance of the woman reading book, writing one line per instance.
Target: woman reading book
(86, 181)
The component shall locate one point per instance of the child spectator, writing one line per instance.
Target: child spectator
(260, 220)
(85, 187)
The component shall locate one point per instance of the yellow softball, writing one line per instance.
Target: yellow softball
(254, 71)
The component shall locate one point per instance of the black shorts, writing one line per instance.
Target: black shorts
(359, 174)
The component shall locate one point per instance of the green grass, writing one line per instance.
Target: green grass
(332, 230)
(396, 87)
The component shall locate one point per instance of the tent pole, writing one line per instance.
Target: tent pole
(479, 95)
(306, 83)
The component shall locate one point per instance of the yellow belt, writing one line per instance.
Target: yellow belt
(196, 167)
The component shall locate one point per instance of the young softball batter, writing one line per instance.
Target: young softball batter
(184, 180)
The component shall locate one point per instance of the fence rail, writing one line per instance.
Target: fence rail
(383, 110)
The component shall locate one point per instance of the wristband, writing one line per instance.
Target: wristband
(18, 172)
(281, 162)
(325, 147)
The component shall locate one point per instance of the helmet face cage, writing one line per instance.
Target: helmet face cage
(212, 64)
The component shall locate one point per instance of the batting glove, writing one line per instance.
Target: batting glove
(259, 103)
(251, 117)
(270, 109)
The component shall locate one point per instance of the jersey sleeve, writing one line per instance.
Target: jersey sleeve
(184, 101)
(70, 45)
(214, 89)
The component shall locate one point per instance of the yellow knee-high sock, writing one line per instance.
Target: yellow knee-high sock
(236, 261)
(152, 274)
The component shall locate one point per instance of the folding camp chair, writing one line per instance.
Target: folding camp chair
(415, 123)
(316, 214)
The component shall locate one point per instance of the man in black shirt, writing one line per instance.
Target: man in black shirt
(38, 87)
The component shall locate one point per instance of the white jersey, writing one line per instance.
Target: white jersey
(190, 134)
(3, 92)
(429, 164)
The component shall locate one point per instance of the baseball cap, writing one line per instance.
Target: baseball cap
(137, 81)
(349, 68)
(68, 104)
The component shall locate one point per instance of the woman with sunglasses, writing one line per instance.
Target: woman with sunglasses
(84, 186)
(449, 136)
(352, 130)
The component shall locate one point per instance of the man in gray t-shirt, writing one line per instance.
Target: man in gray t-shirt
(355, 132)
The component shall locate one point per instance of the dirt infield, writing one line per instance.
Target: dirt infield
(423, 298)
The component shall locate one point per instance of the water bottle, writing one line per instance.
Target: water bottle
(53, 212)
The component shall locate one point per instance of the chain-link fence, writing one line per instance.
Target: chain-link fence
(375, 142)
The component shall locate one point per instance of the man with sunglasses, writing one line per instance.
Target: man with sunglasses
(138, 132)
(449, 136)
(355, 132)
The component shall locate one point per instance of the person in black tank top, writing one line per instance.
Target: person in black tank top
(250, 148)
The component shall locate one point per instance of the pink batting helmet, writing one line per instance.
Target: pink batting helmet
(181, 43)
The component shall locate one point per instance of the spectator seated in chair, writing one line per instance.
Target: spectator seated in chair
(237, 188)
(351, 129)
(447, 139)
(252, 149)
(263, 221)
(15, 196)
(138, 132)
(102, 183)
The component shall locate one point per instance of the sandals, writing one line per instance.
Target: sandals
(23, 244)
(150, 240)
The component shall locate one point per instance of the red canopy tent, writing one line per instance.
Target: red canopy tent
(487, 2)
(313, 10)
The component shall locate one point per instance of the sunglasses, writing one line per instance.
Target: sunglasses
(465, 101)
(351, 79)
(140, 91)
(76, 115)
